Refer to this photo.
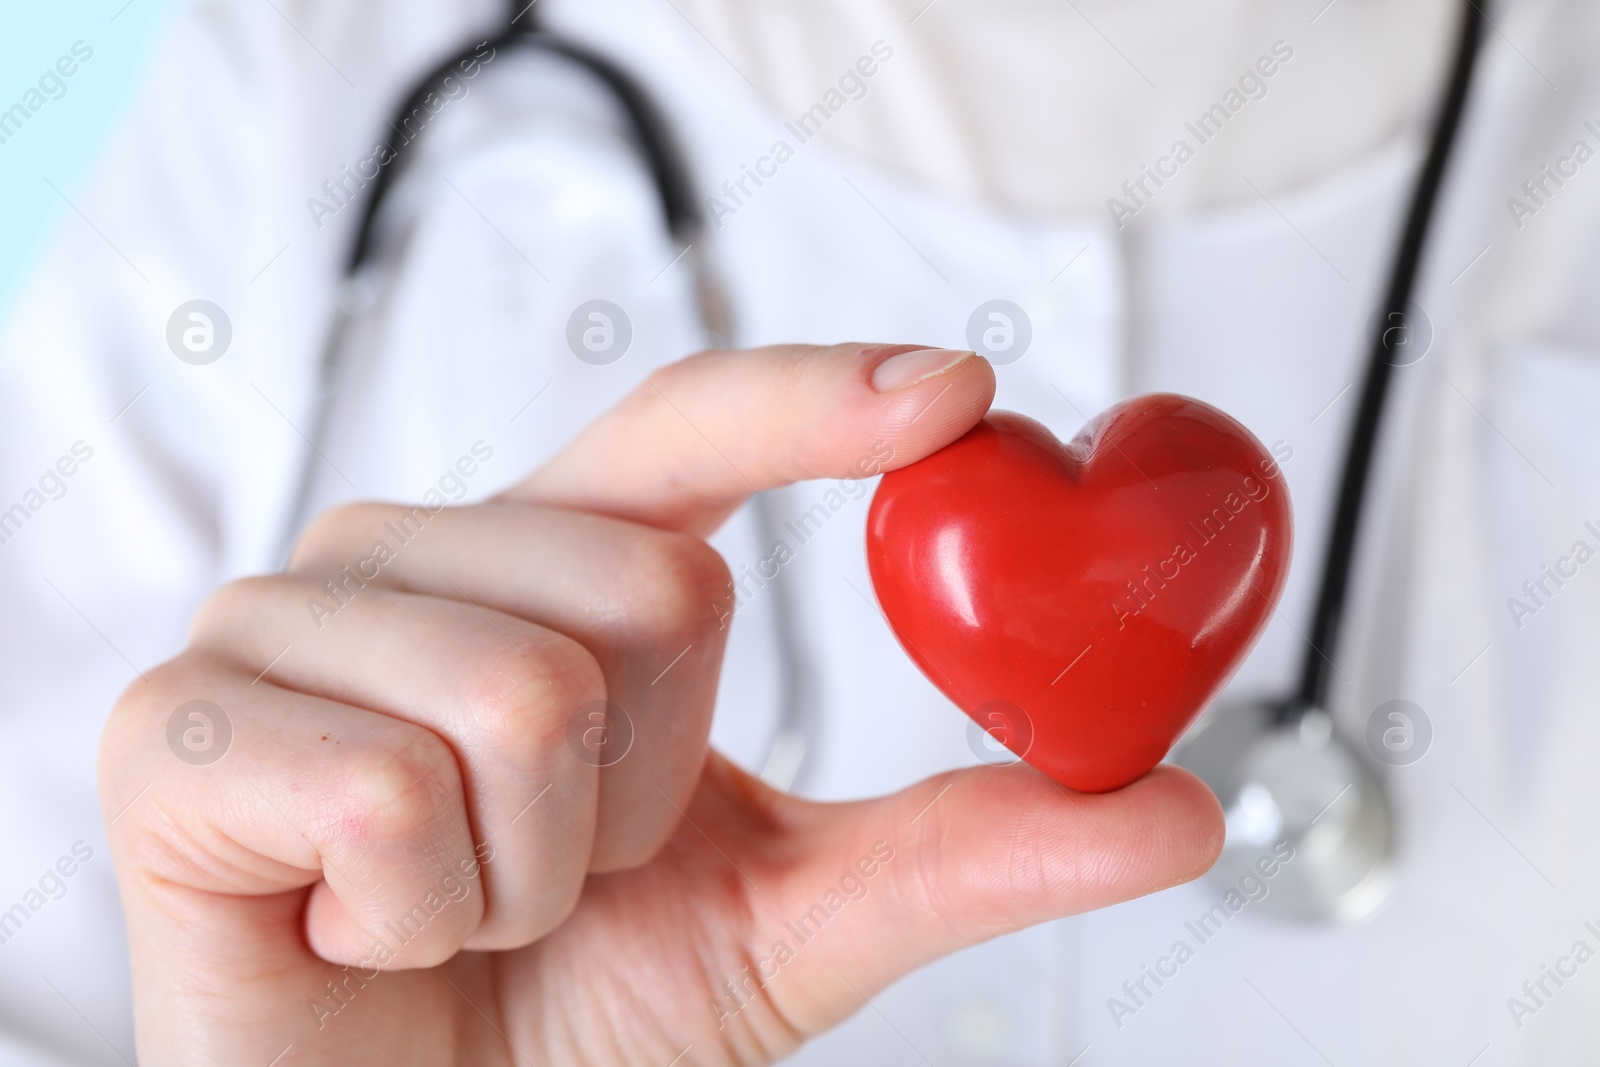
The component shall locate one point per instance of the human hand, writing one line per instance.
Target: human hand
(401, 859)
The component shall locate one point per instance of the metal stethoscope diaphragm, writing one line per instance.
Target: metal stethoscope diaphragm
(1283, 774)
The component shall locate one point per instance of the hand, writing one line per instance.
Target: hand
(401, 859)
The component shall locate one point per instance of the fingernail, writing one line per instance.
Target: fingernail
(911, 365)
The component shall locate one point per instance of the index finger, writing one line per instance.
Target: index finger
(686, 448)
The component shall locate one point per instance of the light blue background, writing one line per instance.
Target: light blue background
(61, 143)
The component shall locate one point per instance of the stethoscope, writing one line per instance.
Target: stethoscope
(682, 217)
(1281, 772)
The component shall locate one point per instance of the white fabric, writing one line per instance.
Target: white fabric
(528, 204)
(1107, 85)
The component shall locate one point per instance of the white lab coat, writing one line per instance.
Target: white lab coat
(527, 203)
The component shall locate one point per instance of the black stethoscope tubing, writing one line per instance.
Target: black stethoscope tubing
(1333, 594)
(681, 214)
(683, 219)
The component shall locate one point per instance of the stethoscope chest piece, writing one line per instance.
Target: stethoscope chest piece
(1310, 835)
(1310, 828)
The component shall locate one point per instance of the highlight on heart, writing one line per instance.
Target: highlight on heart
(1102, 591)
(1151, 579)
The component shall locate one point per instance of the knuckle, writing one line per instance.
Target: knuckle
(400, 788)
(527, 683)
(135, 730)
(241, 598)
(680, 586)
(924, 887)
(158, 690)
(930, 882)
(335, 532)
(669, 376)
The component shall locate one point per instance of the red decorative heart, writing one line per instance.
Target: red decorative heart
(1083, 602)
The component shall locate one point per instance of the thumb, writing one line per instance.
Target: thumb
(882, 887)
(685, 449)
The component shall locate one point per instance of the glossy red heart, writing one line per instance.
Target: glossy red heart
(1083, 602)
